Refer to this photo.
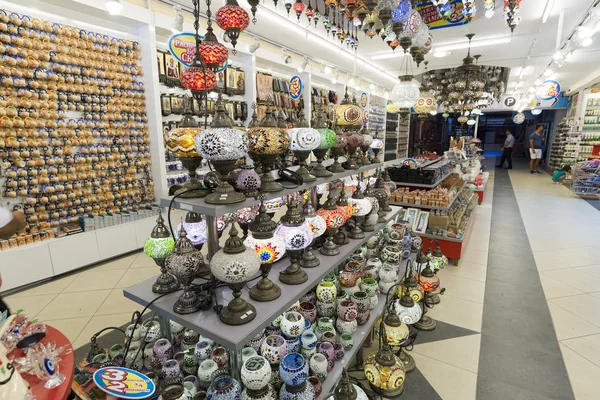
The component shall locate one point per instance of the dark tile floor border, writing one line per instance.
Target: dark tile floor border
(520, 356)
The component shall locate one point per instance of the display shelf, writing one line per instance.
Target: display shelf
(359, 336)
(423, 185)
(201, 207)
(451, 247)
(400, 204)
(208, 323)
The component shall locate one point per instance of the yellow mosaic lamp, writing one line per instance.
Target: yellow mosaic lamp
(348, 113)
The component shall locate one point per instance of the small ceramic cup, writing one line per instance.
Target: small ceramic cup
(326, 292)
(292, 324)
(347, 340)
(220, 356)
(308, 311)
(370, 287)
(316, 385)
(202, 350)
(338, 349)
(318, 363)
(171, 369)
(256, 372)
(205, 372)
(347, 310)
(362, 301)
(346, 326)
(274, 347)
(308, 340)
(326, 309)
(328, 336)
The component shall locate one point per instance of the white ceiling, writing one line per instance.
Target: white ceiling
(275, 25)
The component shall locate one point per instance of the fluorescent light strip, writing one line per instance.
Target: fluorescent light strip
(474, 43)
(390, 55)
(547, 10)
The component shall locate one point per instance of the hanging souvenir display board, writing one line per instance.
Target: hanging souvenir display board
(74, 140)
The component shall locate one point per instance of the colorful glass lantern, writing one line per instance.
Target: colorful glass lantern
(248, 181)
(371, 218)
(328, 140)
(303, 140)
(348, 114)
(245, 216)
(235, 264)
(384, 370)
(403, 12)
(376, 146)
(267, 142)
(183, 263)
(270, 248)
(365, 146)
(426, 103)
(233, 19)
(195, 228)
(213, 53)
(353, 141)
(345, 208)
(317, 226)
(180, 141)
(298, 8)
(274, 205)
(360, 208)
(436, 258)
(335, 219)
(297, 236)
(222, 145)
(407, 309)
(338, 151)
(396, 330)
(198, 78)
(406, 93)
(158, 246)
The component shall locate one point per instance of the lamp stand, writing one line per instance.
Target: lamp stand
(426, 323)
(340, 238)
(224, 193)
(365, 160)
(351, 162)
(366, 226)
(376, 159)
(407, 360)
(302, 156)
(238, 311)
(265, 289)
(165, 282)
(293, 275)
(309, 259)
(388, 393)
(329, 248)
(188, 302)
(192, 188)
(356, 232)
(336, 152)
(319, 170)
(268, 183)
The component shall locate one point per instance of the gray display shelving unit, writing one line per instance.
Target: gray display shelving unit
(208, 323)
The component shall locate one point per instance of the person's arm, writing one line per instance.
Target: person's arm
(505, 144)
(16, 224)
(531, 144)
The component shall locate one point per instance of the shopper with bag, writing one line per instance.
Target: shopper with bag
(10, 223)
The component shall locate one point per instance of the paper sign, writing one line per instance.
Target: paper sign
(452, 14)
(124, 383)
(295, 89)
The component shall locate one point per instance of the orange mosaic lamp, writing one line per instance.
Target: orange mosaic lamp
(233, 19)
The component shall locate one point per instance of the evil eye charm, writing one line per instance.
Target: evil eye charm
(49, 366)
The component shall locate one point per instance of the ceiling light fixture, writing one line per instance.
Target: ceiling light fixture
(303, 66)
(254, 46)
(547, 10)
(178, 21)
(441, 54)
(558, 56)
(335, 77)
(327, 69)
(476, 43)
(586, 30)
(587, 42)
(286, 58)
(114, 7)
(351, 82)
(371, 86)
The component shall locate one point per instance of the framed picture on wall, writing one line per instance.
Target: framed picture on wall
(420, 222)
(196, 109)
(411, 215)
(240, 81)
(160, 59)
(231, 77)
(172, 66)
(229, 108)
(165, 104)
(221, 80)
(238, 111)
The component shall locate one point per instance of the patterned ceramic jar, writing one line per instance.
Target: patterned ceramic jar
(202, 350)
(374, 262)
(326, 348)
(302, 392)
(308, 352)
(370, 287)
(118, 348)
(134, 334)
(318, 364)
(316, 384)
(362, 301)
(347, 310)
(330, 277)
(326, 309)
(373, 301)
(162, 349)
(151, 330)
(189, 340)
(342, 295)
(371, 272)
(293, 369)
(248, 352)
(347, 340)
(388, 274)
(205, 372)
(338, 349)
(274, 348)
(326, 292)
(293, 344)
(324, 324)
(308, 311)
(329, 337)
(190, 362)
(220, 356)
(170, 369)
(176, 333)
(310, 297)
(194, 380)
(308, 340)
(346, 326)
(256, 373)
(348, 279)
(224, 387)
(391, 254)
(354, 267)
(292, 324)
(384, 287)
(363, 318)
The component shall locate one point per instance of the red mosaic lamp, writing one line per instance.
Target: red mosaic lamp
(198, 78)
(298, 8)
(213, 53)
(233, 19)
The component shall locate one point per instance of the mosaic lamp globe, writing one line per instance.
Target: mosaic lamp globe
(384, 370)
(297, 237)
(371, 218)
(222, 145)
(270, 248)
(274, 205)
(428, 279)
(425, 104)
(337, 151)
(353, 141)
(335, 219)
(198, 78)
(235, 264)
(365, 146)
(180, 142)
(377, 145)
(317, 226)
(437, 259)
(158, 246)
(183, 263)
(406, 93)
(267, 142)
(361, 206)
(195, 228)
(328, 140)
(248, 181)
(347, 391)
(233, 19)
(402, 12)
(345, 208)
(303, 140)
(213, 53)
(348, 113)
(244, 217)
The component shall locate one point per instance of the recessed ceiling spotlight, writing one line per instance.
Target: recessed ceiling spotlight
(178, 21)
(441, 54)
(587, 42)
(302, 66)
(254, 46)
(371, 86)
(327, 69)
(114, 7)
(335, 77)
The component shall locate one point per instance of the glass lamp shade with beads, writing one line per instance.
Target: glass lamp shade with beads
(360, 207)
(180, 142)
(213, 53)
(222, 145)
(234, 264)
(425, 104)
(406, 93)
(195, 229)
(412, 25)
(367, 140)
(348, 113)
(183, 263)
(233, 19)
(437, 260)
(245, 216)
(317, 225)
(248, 181)
(403, 12)
(407, 309)
(269, 250)
(159, 246)
(334, 219)
(428, 280)
(198, 78)
(397, 332)
(274, 205)
(297, 237)
(386, 377)
(354, 139)
(377, 144)
(327, 140)
(304, 139)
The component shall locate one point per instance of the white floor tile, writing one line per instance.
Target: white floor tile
(70, 327)
(99, 322)
(593, 270)
(462, 352)
(95, 280)
(136, 275)
(72, 305)
(142, 261)
(566, 258)
(121, 263)
(452, 310)
(464, 269)
(584, 374)
(463, 288)
(474, 256)
(554, 288)
(576, 278)
(450, 382)
(54, 286)
(117, 303)
(31, 305)
(588, 347)
(568, 325)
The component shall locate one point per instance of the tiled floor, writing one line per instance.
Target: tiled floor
(562, 234)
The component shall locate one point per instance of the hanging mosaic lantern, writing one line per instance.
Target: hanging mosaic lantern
(198, 78)
(406, 93)
(213, 53)
(233, 19)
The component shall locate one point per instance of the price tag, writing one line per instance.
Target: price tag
(124, 383)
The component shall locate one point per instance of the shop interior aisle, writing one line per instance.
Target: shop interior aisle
(561, 230)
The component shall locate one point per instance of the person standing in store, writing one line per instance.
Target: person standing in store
(10, 223)
(507, 149)
(536, 143)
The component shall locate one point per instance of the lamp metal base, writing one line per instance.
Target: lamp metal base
(187, 303)
(238, 314)
(390, 394)
(329, 248)
(293, 277)
(407, 360)
(165, 283)
(309, 259)
(265, 290)
(426, 323)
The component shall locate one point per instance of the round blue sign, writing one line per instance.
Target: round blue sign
(124, 383)
(295, 89)
(548, 90)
